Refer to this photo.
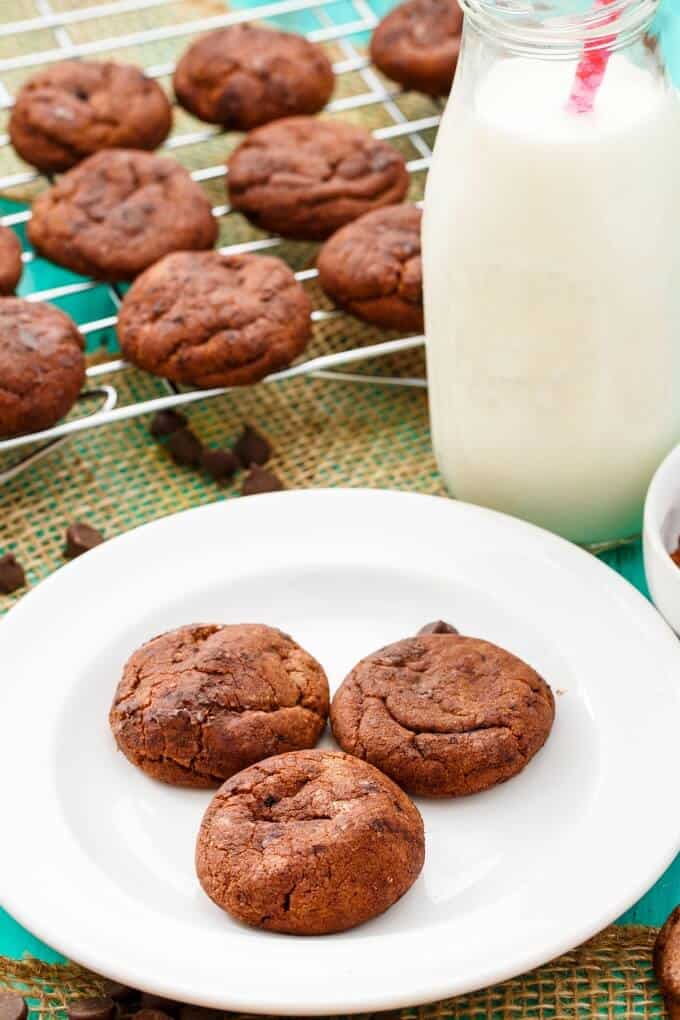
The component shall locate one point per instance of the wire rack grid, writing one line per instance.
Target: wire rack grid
(72, 29)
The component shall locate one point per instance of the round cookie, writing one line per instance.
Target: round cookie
(305, 178)
(42, 365)
(199, 703)
(417, 45)
(667, 963)
(442, 714)
(11, 266)
(243, 76)
(69, 110)
(309, 843)
(119, 211)
(208, 319)
(372, 267)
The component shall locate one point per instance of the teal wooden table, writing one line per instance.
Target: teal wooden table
(655, 906)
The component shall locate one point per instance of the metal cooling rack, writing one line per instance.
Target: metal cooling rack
(361, 19)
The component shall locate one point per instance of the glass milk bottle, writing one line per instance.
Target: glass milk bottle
(551, 243)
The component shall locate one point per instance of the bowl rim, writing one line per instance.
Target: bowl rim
(654, 513)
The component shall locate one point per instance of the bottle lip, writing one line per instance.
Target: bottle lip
(541, 28)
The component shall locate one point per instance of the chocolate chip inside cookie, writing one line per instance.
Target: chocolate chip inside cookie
(309, 843)
(199, 703)
(305, 178)
(243, 76)
(443, 715)
(372, 267)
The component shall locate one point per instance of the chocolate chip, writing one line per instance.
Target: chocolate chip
(258, 480)
(12, 1006)
(154, 1014)
(158, 1004)
(185, 448)
(101, 1008)
(80, 538)
(12, 574)
(164, 423)
(438, 627)
(251, 447)
(118, 992)
(220, 464)
(200, 1013)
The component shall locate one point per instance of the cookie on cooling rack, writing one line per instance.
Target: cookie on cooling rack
(305, 178)
(309, 843)
(202, 702)
(417, 45)
(442, 714)
(70, 110)
(372, 268)
(243, 76)
(208, 319)
(11, 266)
(118, 212)
(42, 365)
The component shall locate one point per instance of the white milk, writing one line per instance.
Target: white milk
(552, 295)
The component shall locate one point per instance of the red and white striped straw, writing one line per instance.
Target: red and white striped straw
(591, 67)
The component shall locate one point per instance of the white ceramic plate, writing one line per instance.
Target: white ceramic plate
(98, 860)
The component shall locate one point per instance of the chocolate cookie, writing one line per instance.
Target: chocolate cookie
(207, 319)
(372, 267)
(417, 45)
(667, 963)
(243, 76)
(443, 715)
(309, 843)
(11, 266)
(199, 703)
(42, 365)
(70, 110)
(305, 178)
(119, 211)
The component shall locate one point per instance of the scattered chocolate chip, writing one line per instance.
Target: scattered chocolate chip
(80, 538)
(164, 423)
(118, 992)
(101, 1008)
(258, 480)
(158, 1004)
(12, 1006)
(200, 1013)
(12, 574)
(438, 627)
(251, 447)
(220, 464)
(185, 448)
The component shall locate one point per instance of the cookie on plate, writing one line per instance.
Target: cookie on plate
(442, 714)
(197, 704)
(119, 211)
(309, 843)
(11, 266)
(208, 319)
(42, 365)
(417, 45)
(372, 268)
(243, 76)
(305, 178)
(667, 963)
(69, 110)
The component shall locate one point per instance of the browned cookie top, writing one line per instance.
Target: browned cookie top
(214, 320)
(10, 260)
(304, 178)
(199, 703)
(372, 267)
(42, 366)
(243, 76)
(417, 45)
(70, 110)
(309, 843)
(119, 211)
(444, 715)
(667, 963)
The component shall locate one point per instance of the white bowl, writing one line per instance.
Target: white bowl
(661, 530)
